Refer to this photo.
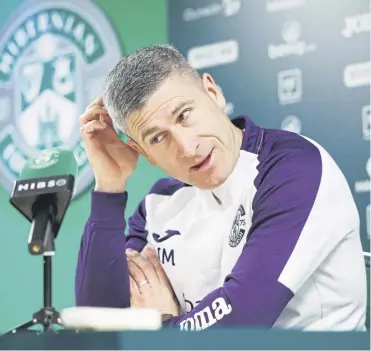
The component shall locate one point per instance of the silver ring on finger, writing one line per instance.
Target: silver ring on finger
(142, 283)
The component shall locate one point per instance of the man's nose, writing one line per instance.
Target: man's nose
(186, 142)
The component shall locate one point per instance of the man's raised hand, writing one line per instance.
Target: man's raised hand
(111, 159)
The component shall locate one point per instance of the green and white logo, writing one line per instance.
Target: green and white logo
(54, 57)
(46, 158)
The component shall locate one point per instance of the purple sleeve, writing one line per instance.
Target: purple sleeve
(102, 277)
(252, 294)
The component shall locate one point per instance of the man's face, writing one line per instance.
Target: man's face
(185, 132)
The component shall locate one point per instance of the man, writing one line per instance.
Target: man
(253, 227)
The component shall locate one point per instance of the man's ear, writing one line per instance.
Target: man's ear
(138, 149)
(214, 90)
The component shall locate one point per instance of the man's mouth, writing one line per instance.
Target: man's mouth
(205, 163)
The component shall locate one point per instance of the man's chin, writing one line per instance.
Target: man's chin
(204, 181)
(210, 183)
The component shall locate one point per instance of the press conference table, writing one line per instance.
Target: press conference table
(233, 339)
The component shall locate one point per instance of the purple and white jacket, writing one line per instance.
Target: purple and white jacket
(277, 244)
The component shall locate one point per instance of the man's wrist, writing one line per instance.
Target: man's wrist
(108, 207)
(166, 317)
(111, 188)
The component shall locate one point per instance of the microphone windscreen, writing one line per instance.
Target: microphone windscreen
(49, 163)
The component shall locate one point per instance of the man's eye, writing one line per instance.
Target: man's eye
(184, 115)
(157, 139)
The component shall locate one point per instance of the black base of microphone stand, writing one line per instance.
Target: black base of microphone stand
(46, 316)
(45, 222)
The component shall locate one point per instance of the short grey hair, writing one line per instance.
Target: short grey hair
(137, 76)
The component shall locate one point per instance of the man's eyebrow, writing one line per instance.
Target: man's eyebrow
(179, 107)
(174, 112)
(148, 132)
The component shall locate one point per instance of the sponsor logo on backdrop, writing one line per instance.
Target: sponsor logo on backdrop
(289, 86)
(366, 122)
(363, 186)
(282, 5)
(224, 8)
(229, 106)
(229, 109)
(357, 24)
(215, 54)
(293, 44)
(53, 61)
(357, 74)
(291, 124)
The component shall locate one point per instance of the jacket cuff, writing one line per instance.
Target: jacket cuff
(108, 207)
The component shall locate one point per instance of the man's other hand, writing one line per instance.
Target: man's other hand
(149, 284)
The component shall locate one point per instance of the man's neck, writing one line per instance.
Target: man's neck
(237, 137)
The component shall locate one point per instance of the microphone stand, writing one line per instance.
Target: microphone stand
(42, 239)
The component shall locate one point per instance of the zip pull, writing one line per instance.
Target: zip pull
(217, 199)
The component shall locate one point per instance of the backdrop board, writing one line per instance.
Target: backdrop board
(54, 56)
(299, 65)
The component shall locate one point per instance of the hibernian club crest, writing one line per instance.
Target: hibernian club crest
(238, 227)
(54, 57)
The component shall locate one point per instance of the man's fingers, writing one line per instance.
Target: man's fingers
(134, 293)
(96, 110)
(150, 253)
(135, 272)
(97, 101)
(144, 266)
(133, 287)
(92, 127)
(93, 113)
